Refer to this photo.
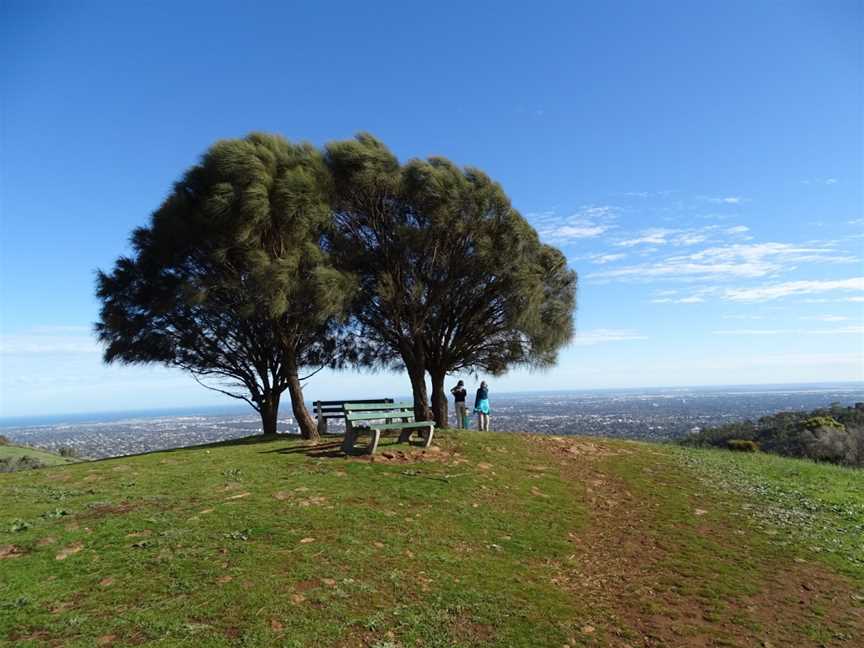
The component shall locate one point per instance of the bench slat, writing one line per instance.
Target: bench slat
(369, 406)
(371, 416)
(402, 426)
(342, 402)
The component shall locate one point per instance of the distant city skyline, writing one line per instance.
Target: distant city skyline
(646, 415)
(699, 164)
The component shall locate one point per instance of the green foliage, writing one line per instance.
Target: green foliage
(229, 280)
(834, 434)
(12, 464)
(452, 277)
(742, 445)
(818, 422)
(18, 525)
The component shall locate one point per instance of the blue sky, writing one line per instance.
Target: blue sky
(700, 163)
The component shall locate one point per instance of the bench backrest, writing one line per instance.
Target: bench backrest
(360, 411)
(336, 409)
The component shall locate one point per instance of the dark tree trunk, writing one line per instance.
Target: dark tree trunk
(439, 398)
(418, 390)
(417, 374)
(308, 429)
(269, 410)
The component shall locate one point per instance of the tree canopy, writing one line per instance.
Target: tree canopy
(452, 278)
(268, 257)
(229, 281)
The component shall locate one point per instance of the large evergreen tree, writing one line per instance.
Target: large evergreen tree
(452, 277)
(230, 281)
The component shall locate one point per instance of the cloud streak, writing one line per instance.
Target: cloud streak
(588, 222)
(791, 288)
(602, 336)
(39, 343)
(739, 260)
(845, 330)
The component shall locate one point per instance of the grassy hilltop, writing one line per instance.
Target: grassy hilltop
(11, 454)
(484, 540)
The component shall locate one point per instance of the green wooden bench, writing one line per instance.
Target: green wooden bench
(377, 418)
(325, 410)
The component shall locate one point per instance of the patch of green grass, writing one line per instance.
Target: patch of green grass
(817, 507)
(47, 458)
(257, 543)
(270, 542)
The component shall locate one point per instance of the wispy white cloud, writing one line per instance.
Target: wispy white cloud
(726, 200)
(648, 194)
(850, 330)
(821, 181)
(588, 222)
(845, 330)
(689, 238)
(606, 258)
(602, 336)
(49, 340)
(739, 260)
(659, 236)
(576, 231)
(654, 236)
(753, 332)
(825, 318)
(693, 299)
(789, 288)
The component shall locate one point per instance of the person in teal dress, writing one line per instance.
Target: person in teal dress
(481, 407)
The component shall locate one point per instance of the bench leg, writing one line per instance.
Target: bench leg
(350, 437)
(427, 438)
(322, 426)
(373, 442)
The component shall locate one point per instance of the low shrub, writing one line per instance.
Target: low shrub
(12, 464)
(742, 445)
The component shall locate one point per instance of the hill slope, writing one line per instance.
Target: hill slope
(15, 452)
(485, 540)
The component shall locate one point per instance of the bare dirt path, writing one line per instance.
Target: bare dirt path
(673, 567)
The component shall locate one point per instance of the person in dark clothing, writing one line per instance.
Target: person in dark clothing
(481, 407)
(459, 395)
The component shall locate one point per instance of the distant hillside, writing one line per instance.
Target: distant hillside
(834, 434)
(486, 539)
(15, 457)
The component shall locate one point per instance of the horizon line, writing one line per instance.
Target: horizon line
(6, 420)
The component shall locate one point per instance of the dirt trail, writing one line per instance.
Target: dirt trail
(624, 562)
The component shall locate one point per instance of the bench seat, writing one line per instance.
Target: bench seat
(325, 410)
(364, 413)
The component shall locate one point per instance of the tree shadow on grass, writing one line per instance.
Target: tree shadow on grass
(255, 439)
(320, 450)
(332, 449)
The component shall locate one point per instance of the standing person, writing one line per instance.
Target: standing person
(481, 406)
(459, 394)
